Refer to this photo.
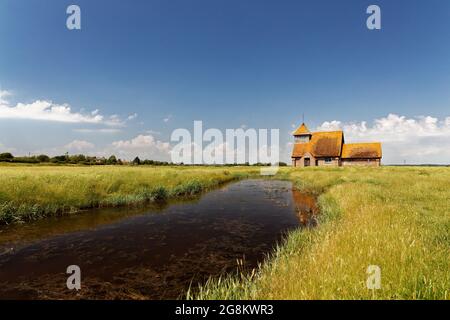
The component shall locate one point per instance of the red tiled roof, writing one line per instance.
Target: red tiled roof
(361, 150)
(322, 144)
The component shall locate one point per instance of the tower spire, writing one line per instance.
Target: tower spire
(302, 130)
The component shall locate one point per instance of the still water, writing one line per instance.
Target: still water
(154, 252)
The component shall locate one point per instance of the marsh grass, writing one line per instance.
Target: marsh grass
(33, 192)
(396, 218)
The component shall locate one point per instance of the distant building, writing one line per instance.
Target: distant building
(312, 149)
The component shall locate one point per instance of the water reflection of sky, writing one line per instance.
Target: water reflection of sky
(155, 253)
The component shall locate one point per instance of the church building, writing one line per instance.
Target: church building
(328, 148)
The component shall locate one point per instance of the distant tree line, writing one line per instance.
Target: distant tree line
(138, 161)
(88, 160)
(62, 159)
(75, 159)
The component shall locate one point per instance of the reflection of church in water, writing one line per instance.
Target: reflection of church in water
(306, 208)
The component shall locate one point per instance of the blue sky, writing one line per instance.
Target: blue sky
(257, 64)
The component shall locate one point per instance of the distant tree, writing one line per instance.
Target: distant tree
(43, 158)
(112, 160)
(101, 161)
(25, 160)
(77, 158)
(137, 161)
(91, 160)
(6, 156)
(58, 159)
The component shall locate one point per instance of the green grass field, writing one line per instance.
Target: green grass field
(397, 218)
(33, 192)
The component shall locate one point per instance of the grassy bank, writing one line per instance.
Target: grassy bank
(395, 218)
(33, 192)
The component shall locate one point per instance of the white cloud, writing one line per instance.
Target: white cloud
(79, 145)
(423, 139)
(98, 130)
(166, 119)
(330, 126)
(141, 141)
(114, 120)
(132, 116)
(3, 95)
(143, 146)
(45, 110)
